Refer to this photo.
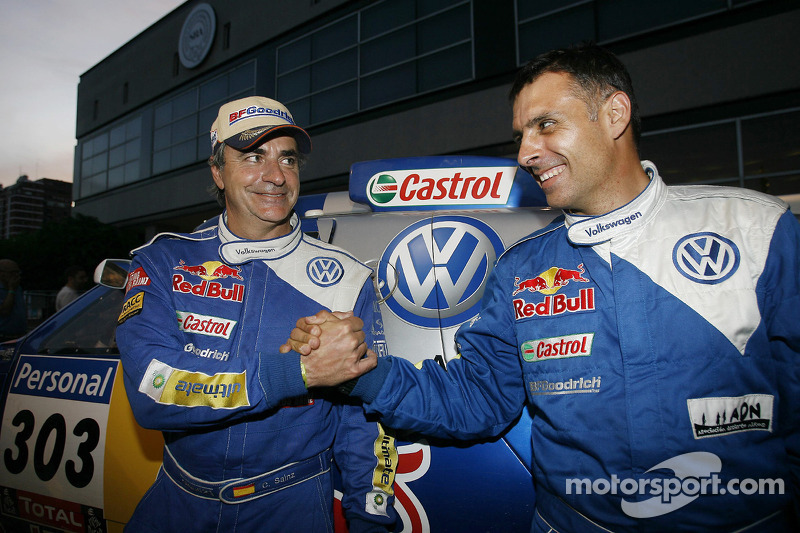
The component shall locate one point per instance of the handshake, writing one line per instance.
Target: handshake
(331, 347)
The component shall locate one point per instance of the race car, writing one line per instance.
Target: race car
(74, 459)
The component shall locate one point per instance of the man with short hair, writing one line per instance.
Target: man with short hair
(660, 362)
(248, 446)
(76, 282)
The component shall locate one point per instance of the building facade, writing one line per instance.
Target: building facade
(717, 86)
(28, 205)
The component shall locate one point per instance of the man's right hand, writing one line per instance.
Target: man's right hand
(332, 348)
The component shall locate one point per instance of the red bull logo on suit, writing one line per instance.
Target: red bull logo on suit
(211, 270)
(548, 283)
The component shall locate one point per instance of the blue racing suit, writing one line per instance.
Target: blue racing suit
(657, 349)
(248, 447)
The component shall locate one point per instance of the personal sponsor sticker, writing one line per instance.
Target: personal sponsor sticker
(55, 424)
(132, 306)
(715, 417)
(578, 345)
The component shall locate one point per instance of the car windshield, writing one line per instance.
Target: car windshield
(90, 331)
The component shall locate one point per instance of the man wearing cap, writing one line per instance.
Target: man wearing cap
(248, 445)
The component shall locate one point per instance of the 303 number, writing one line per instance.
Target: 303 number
(79, 471)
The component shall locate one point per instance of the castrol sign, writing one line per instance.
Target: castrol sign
(443, 182)
(441, 187)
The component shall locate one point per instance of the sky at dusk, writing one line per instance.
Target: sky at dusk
(47, 45)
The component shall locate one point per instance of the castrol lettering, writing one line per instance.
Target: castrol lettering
(579, 345)
(212, 326)
(555, 305)
(452, 188)
(442, 186)
(208, 289)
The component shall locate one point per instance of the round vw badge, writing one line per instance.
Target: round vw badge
(706, 257)
(324, 271)
(434, 271)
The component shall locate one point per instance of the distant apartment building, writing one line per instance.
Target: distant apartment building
(27, 205)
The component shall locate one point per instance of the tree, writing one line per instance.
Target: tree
(44, 254)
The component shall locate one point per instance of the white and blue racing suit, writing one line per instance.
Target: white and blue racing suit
(248, 447)
(657, 349)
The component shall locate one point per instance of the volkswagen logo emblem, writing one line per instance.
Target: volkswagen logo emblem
(324, 271)
(433, 272)
(706, 257)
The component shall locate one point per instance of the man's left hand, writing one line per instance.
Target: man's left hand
(332, 348)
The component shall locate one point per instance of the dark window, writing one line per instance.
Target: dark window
(771, 144)
(699, 154)
(182, 124)
(619, 18)
(758, 152)
(546, 24)
(771, 157)
(388, 51)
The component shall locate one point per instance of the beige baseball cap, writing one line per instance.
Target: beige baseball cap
(243, 124)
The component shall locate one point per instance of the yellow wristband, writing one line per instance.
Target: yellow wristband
(303, 372)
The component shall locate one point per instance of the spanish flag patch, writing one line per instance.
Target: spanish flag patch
(245, 490)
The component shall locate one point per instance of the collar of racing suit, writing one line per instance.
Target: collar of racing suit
(235, 250)
(628, 219)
